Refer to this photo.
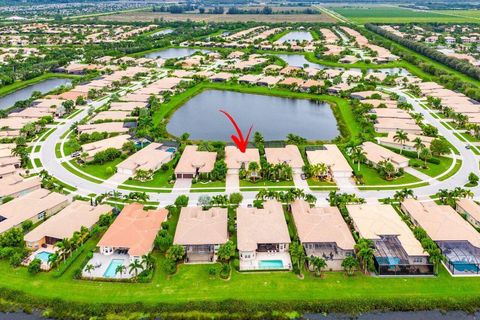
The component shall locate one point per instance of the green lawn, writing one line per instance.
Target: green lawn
(362, 14)
(371, 177)
(262, 184)
(326, 185)
(161, 179)
(72, 170)
(99, 170)
(218, 185)
(37, 162)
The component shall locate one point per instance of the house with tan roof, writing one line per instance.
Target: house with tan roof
(95, 147)
(193, 162)
(112, 116)
(468, 208)
(16, 186)
(262, 237)
(396, 250)
(376, 154)
(386, 125)
(409, 145)
(150, 158)
(34, 206)
(235, 159)
(323, 233)
(109, 127)
(289, 155)
(456, 238)
(330, 155)
(62, 225)
(201, 232)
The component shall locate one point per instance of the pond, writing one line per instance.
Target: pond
(274, 117)
(297, 36)
(162, 32)
(299, 60)
(25, 93)
(173, 53)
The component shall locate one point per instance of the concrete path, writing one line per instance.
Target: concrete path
(232, 182)
(299, 182)
(420, 175)
(116, 179)
(182, 185)
(346, 185)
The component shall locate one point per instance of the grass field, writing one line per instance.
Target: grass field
(390, 14)
(148, 16)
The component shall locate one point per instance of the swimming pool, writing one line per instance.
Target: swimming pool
(43, 256)
(171, 149)
(270, 264)
(466, 267)
(112, 267)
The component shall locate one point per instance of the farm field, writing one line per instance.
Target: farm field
(475, 14)
(150, 16)
(390, 14)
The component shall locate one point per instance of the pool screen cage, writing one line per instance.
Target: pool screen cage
(462, 257)
(392, 259)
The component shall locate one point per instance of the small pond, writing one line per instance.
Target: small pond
(173, 53)
(162, 32)
(25, 93)
(274, 117)
(297, 36)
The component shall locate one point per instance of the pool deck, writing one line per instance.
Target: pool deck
(247, 265)
(101, 263)
(45, 265)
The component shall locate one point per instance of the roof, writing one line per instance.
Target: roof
(192, 159)
(148, 158)
(97, 146)
(234, 158)
(376, 153)
(375, 220)
(15, 184)
(72, 218)
(28, 206)
(265, 225)
(441, 222)
(288, 154)
(110, 127)
(470, 206)
(134, 229)
(321, 225)
(331, 156)
(197, 227)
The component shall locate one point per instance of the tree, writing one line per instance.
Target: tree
(425, 154)
(258, 139)
(436, 257)
(349, 265)
(120, 269)
(418, 145)
(181, 201)
(473, 179)
(297, 254)
(163, 240)
(148, 261)
(318, 265)
(35, 266)
(358, 155)
(89, 268)
(365, 254)
(235, 198)
(129, 147)
(226, 251)
(175, 253)
(253, 168)
(134, 267)
(401, 137)
(439, 147)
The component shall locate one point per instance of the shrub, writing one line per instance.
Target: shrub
(212, 270)
(27, 225)
(225, 271)
(170, 266)
(16, 259)
(34, 266)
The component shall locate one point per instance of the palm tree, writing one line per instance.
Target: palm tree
(134, 267)
(358, 155)
(298, 255)
(401, 137)
(349, 264)
(89, 268)
(310, 198)
(418, 145)
(436, 258)
(253, 169)
(65, 247)
(318, 265)
(52, 259)
(120, 269)
(148, 261)
(425, 154)
(365, 253)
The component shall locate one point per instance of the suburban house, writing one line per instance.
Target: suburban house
(458, 240)
(193, 162)
(201, 232)
(93, 148)
(109, 127)
(331, 156)
(34, 206)
(235, 159)
(323, 233)
(289, 155)
(262, 237)
(376, 154)
(72, 218)
(16, 186)
(128, 239)
(409, 145)
(149, 158)
(397, 251)
(470, 209)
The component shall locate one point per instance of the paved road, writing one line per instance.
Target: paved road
(85, 187)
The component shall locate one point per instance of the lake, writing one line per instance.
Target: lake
(173, 53)
(299, 60)
(274, 117)
(25, 93)
(297, 36)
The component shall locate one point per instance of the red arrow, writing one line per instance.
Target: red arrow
(239, 141)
